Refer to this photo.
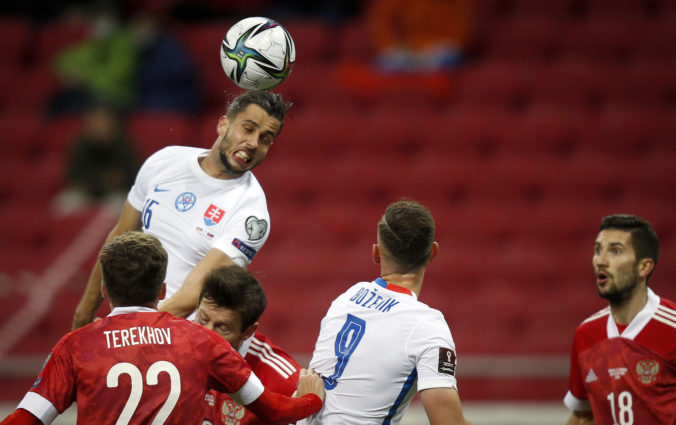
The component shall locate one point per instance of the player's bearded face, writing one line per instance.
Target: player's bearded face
(245, 141)
(615, 266)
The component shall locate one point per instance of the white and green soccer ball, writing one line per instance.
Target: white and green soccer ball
(257, 53)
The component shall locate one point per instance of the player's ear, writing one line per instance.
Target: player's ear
(222, 126)
(163, 291)
(645, 267)
(249, 331)
(103, 290)
(375, 253)
(434, 251)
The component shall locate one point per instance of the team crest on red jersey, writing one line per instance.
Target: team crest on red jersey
(231, 412)
(213, 215)
(647, 370)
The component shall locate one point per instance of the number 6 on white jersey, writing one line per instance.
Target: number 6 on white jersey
(112, 380)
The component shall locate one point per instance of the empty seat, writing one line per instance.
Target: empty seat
(154, 131)
(56, 36)
(524, 38)
(573, 83)
(492, 83)
(15, 35)
(313, 39)
(550, 130)
(604, 38)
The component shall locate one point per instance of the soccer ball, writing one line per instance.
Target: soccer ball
(257, 53)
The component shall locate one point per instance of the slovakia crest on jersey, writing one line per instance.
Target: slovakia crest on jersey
(213, 215)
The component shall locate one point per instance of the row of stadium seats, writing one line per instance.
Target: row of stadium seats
(498, 83)
(548, 130)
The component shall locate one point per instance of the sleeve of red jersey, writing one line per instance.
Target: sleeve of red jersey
(231, 374)
(576, 398)
(21, 417)
(273, 407)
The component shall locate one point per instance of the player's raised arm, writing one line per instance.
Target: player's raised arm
(185, 300)
(91, 300)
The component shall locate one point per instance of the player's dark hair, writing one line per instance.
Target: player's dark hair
(643, 237)
(234, 288)
(272, 103)
(134, 266)
(407, 232)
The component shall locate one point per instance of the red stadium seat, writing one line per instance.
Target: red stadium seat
(312, 38)
(15, 36)
(56, 36)
(525, 37)
(492, 83)
(354, 43)
(21, 132)
(546, 130)
(643, 83)
(152, 131)
(604, 38)
(573, 83)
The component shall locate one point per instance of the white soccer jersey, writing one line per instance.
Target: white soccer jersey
(375, 344)
(191, 212)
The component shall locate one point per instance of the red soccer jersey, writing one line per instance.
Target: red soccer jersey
(277, 370)
(136, 366)
(627, 378)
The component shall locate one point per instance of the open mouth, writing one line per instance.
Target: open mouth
(243, 156)
(602, 278)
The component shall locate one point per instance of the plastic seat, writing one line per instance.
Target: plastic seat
(56, 36)
(14, 33)
(604, 38)
(494, 83)
(643, 83)
(154, 131)
(312, 39)
(474, 131)
(546, 130)
(629, 131)
(354, 43)
(21, 132)
(573, 83)
(525, 37)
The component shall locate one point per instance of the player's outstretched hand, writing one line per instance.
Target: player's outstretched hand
(310, 382)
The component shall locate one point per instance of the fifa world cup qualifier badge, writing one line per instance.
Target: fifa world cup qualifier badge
(447, 361)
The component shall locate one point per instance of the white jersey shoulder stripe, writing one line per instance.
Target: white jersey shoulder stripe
(268, 351)
(665, 321)
(598, 314)
(667, 312)
(267, 355)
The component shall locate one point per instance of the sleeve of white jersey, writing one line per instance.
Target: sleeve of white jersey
(432, 345)
(137, 193)
(246, 233)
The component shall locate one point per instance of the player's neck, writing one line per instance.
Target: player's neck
(209, 165)
(623, 313)
(411, 281)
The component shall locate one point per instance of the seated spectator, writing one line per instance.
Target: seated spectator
(167, 79)
(103, 67)
(425, 35)
(101, 164)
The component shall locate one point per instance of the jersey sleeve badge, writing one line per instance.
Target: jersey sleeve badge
(447, 361)
(255, 228)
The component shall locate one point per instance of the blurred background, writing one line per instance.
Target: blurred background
(519, 123)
